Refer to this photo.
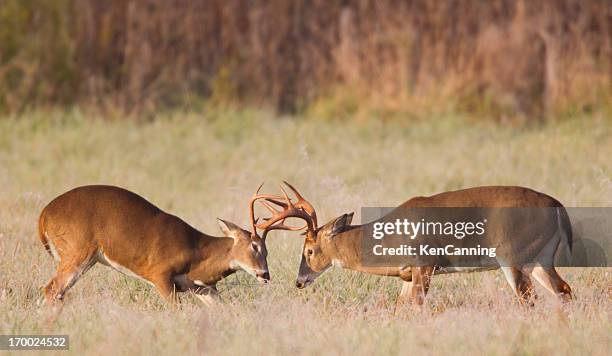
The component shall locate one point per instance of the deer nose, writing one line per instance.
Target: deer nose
(265, 275)
(299, 284)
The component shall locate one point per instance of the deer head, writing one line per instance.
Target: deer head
(249, 251)
(316, 257)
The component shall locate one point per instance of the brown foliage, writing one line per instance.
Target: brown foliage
(499, 57)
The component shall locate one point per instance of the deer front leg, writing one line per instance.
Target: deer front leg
(421, 278)
(404, 296)
(166, 288)
(209, 295)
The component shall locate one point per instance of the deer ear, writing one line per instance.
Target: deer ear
(349, 218)
(341, 223)
(229, 229)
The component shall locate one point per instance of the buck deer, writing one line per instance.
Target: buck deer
(338, 243)
(122, 230)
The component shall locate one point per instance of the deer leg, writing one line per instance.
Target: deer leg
(209, 295)
(544, 272)
(166, 288)
(550, 279)
(406, 292)
(421, 278)
(526, 289)
(405, 273)
(68, 272)
(521, 284)
(404, 296)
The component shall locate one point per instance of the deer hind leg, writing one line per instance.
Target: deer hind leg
(521, 284)
(544, 271)
(550, 279)
(68, 272)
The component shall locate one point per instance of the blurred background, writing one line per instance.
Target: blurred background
(500, 60)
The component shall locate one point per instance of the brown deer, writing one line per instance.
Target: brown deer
(121, 229)
(338, 243)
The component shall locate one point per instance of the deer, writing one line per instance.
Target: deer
(124, 231)
(338, 243)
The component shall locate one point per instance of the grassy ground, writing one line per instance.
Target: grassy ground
(203, 167)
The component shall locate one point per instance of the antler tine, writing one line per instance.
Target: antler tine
(295, 191)
(277, 220)
(259, 188)
(286, 196)
(282, 226)
(270, 208)
(303, 203)
(301, 210)
(280, 216)
(278, 202)
(252, 209)
(254, 198)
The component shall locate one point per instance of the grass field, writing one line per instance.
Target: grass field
(204, 166)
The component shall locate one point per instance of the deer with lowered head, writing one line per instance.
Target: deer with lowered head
(338, 243)
(124, 231)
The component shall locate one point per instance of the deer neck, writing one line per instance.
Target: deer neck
(345, 251)
(213, 260)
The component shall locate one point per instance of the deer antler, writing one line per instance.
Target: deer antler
(303, 204)
(302, 209)
(270, 223)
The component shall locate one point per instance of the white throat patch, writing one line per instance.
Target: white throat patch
(337, 263)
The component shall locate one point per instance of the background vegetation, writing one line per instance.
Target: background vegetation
(202, 167)
(501, 59)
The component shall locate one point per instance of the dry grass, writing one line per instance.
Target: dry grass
(203, 167)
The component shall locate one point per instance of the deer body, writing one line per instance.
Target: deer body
(338, 243)
(122, 230)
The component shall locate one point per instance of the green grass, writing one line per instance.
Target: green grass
(204, 166)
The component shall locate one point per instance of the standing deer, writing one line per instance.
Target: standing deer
(122, 230)
(338, 243)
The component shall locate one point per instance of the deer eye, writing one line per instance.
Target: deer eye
(309, 252)
(254, 247)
